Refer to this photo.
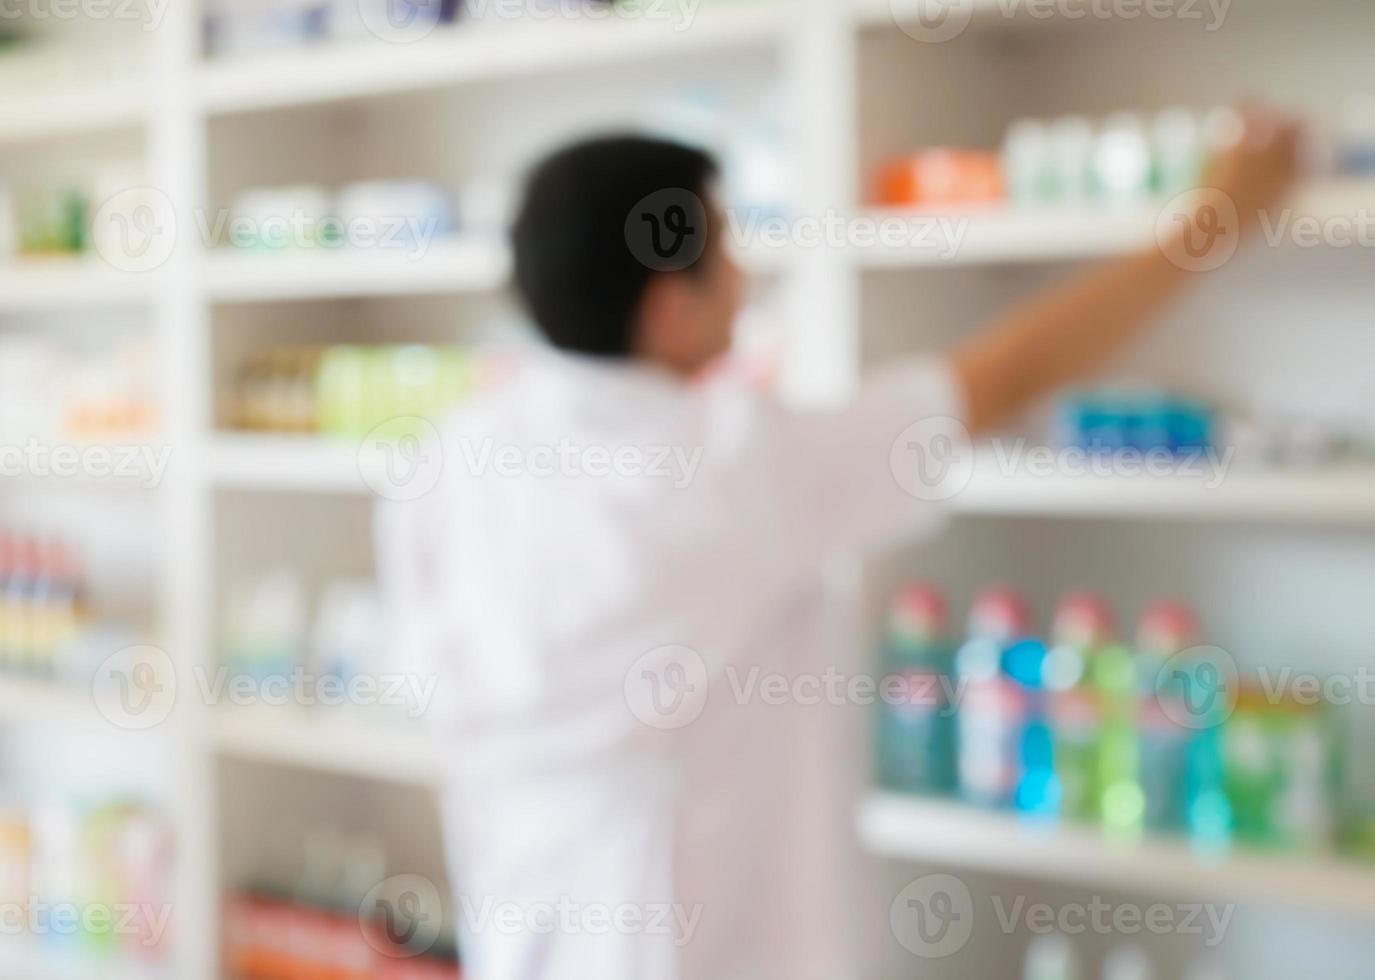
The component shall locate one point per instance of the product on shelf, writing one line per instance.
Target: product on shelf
(1279, 766)
(1160, 737)
(1124, 159)
(749, 141)
(112, 860)
(234, 28)
(1051, 957)
(1038, 786)
(989, 719)
(271, 635)
(316, 921)
(51, 220)
(1083, 626)
(940, 178)
(349, 391)
(1120, 160)
(916, 738)
(397, 214)
(42, 605)
(53, 391)
(1107, 421)
(1173, 774)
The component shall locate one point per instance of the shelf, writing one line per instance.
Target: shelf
(1003, 235)
(345, 71)
(286, 463)
(445, 267)
(330, 742)
(1338, 494)
(60, 284)
(23, 960)
(32, 701)
(26, 117)
(955, 835)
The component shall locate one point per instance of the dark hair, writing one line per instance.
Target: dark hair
(580, 264)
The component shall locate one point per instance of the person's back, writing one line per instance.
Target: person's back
(649, 729)
(650, 744)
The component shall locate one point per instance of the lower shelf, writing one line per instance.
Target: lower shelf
(325, 742)
(957, 835)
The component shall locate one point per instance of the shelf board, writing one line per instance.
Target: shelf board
(1337, 494)
(1004, 235)
(40, 285)
(455, 266)
(285, 463)
(33, 701)
(27, 117)
(327, 742)
(956, 835)
(27, 960)
(342, 71)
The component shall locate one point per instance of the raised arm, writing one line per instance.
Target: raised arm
(1064, 333)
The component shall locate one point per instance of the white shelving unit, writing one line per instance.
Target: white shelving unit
(823, 54)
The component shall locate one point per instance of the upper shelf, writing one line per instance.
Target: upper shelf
(345, 71)
(918, 829)
(285, 463)
(29, 117)
(326, 741)
(1005, 235)
(59, 284)
(455, 266)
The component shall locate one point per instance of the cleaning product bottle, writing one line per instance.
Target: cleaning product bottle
(1084, 624)
(1194, 690)
(1121, 803)
(992, 706)
(916, 726)
(1165, 630)
(1038, 787)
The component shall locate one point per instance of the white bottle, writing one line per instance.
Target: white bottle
(1051, 957)
(1127, 963)
(1122, 161)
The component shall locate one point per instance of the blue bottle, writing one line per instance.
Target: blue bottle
(1038, 785)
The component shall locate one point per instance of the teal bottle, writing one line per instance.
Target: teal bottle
(916, 738)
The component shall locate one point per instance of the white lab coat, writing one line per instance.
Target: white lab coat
(640, 783)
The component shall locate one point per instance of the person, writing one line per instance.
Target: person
(649, 744)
